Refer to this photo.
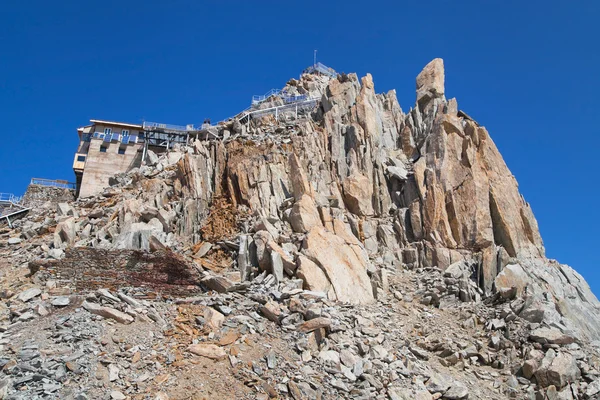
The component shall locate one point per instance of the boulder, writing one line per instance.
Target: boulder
(312, 275)
(207, 350)
(557, 369)
(512, 276)
(346, 271)
(65, 233)
(314, 324)
(563, 370)
(108, 312)
(304, 215)
(151, 158)
(29, 294)
(545, 335)
(64, 209)
(358, 194)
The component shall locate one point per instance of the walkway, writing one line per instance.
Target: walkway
(11, 207)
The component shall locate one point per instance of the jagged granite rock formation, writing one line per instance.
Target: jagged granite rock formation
(341, 201)
(426, 188)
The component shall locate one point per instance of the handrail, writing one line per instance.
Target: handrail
(10, 198)
(275, 110)
(260, 98)
(321, 68)
(149, 125)
(53, 183)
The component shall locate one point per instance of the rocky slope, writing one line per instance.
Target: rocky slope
(392, 252)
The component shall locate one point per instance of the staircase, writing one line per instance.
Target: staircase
(11, 207)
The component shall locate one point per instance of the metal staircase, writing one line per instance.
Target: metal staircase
(11, 207)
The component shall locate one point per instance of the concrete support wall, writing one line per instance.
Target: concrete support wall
(100, 166)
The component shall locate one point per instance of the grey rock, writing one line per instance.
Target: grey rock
(546, 335)
(593, 389)
(29, 294)
(116, 395)
(61, 301)
(439, 383)
(151, 158)
(57, 254)
(457, 391)
(563, 370)
(339, 384)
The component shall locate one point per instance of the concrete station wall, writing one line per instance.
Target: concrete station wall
(100, 166)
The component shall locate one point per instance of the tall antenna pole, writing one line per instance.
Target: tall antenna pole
(315, 60)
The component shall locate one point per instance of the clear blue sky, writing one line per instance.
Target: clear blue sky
(527, 70)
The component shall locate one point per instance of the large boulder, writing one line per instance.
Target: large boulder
(312, 275)
(557, 369)
(512, 276)
(304, 215)
(358, 194)
(65, 233)
(344, 269)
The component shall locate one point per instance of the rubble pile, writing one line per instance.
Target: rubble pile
(355, 251)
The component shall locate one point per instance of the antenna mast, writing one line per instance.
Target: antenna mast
(315, 60)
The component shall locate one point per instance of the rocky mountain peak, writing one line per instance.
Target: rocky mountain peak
(383, 254)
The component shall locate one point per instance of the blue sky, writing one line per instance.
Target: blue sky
(527, 70)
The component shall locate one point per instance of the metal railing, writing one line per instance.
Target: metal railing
(260, 98)
(53, 183)
(10, 198)
(321, 68)
(307, 103)
(170, 127)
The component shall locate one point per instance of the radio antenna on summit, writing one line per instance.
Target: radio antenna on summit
(315, 59)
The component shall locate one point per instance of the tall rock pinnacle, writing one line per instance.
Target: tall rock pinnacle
(430, 82)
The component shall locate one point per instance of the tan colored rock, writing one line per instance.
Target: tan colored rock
(430, 82)
(300, 184)
(511, 276)
(358, 194)
(304, 215)
(271, 310)
(344, 269)
(563, 370)
(265, 246)
(313, 276)
(314, 324)
(545, 335)
(213, 318)
(108, 312)
(208, 350)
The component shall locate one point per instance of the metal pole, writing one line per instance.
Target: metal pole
(315, 60)
(144, 150)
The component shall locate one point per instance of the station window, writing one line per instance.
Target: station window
(107, 131)
(81, 158)
(103, 149)
(125, 132)
(121, 150)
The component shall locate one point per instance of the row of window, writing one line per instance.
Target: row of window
(104, 148)
(124, 132)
